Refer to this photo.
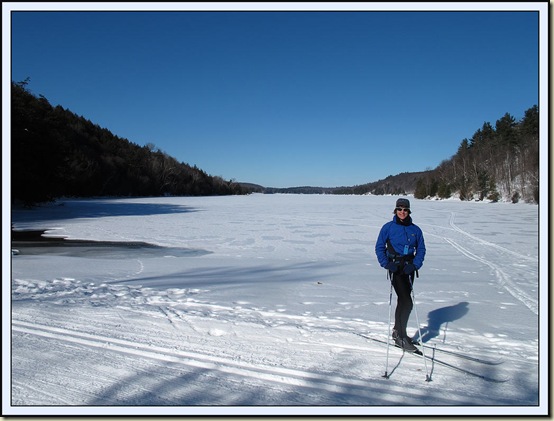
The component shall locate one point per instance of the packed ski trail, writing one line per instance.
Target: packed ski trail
(273, 302)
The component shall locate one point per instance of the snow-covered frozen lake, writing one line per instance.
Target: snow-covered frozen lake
(272, 304)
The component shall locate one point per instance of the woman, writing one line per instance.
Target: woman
(400, 249)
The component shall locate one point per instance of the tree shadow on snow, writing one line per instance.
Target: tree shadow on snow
(95, 208)
(442, 316)
(211, 276)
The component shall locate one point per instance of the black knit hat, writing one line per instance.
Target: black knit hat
(402, 203)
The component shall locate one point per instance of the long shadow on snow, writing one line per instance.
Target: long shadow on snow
(180, 384)
(170, 384)
(230, 275)
(440, 316)
(95, 209)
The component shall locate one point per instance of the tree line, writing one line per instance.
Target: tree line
(500, 162)
(56, 153)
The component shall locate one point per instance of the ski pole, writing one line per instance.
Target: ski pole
(427, 377)
(386, 376)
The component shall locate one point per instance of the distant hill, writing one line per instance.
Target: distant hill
(403, 183)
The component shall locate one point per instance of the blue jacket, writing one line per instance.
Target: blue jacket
(401, 235)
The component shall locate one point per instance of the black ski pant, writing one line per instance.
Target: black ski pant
(404, 304)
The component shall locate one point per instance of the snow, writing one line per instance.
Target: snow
(264, 304)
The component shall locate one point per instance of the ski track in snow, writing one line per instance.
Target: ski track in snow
(519, 268)
(256, 371)
(516, 268)
(195, 334)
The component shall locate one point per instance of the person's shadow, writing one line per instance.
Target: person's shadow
(440, 316)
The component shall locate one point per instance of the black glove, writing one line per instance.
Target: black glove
(391, 266)
(409, 269)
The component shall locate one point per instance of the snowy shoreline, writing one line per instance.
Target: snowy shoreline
(266, 315)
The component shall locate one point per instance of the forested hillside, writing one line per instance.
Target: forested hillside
(500, 162)
(56, 153)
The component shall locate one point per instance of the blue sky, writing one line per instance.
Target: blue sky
(285, 98)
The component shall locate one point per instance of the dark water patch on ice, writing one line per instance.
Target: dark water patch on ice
(34, 243)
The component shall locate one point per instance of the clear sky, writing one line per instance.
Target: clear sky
(285, 98)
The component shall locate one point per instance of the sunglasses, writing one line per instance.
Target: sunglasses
(402, 210)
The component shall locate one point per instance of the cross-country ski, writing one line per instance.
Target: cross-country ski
(453, 364)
